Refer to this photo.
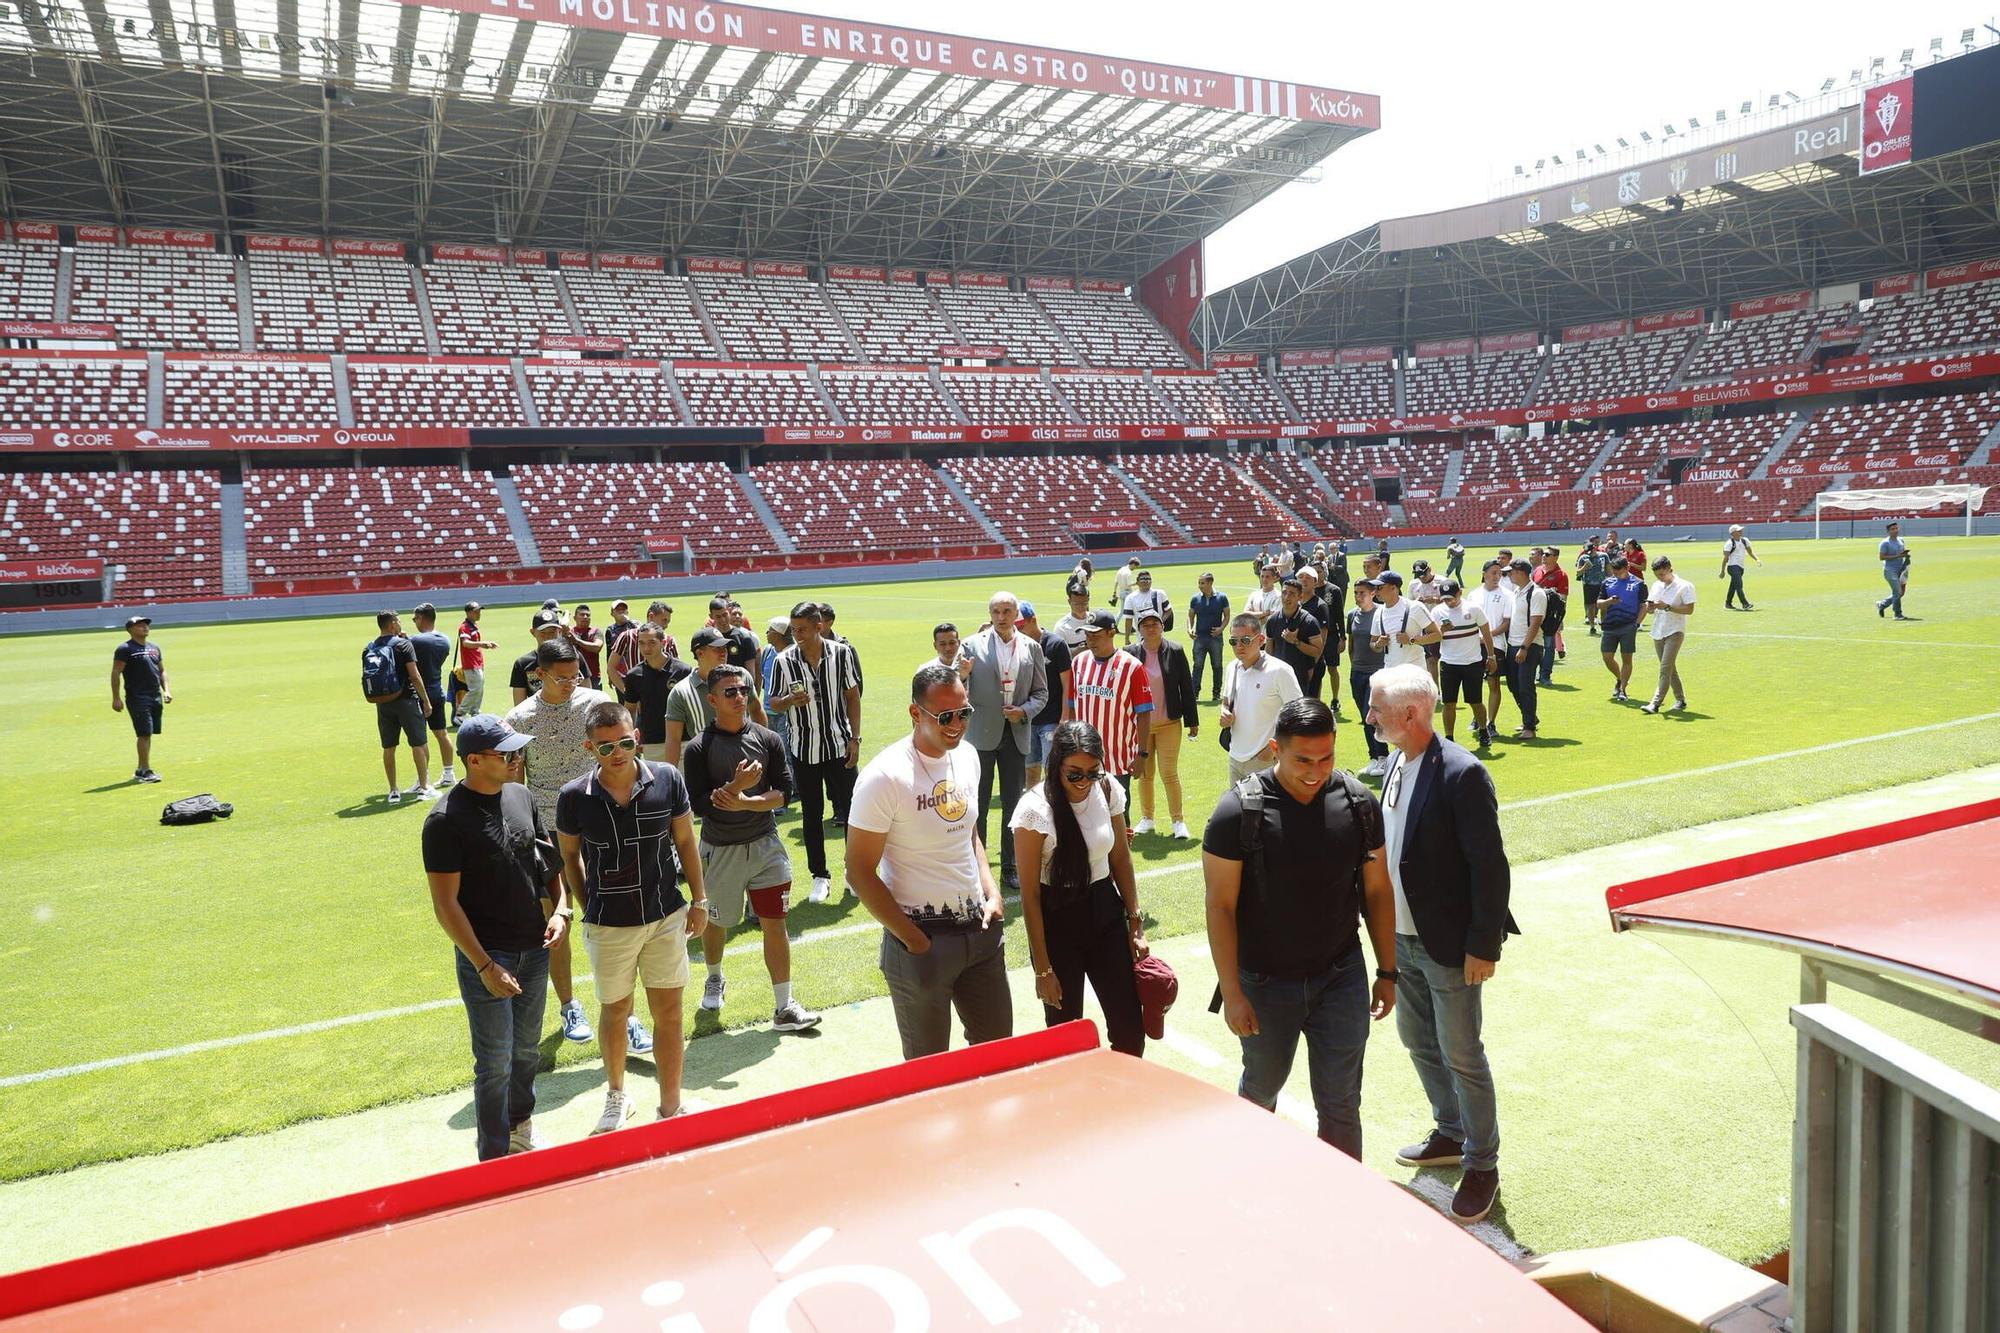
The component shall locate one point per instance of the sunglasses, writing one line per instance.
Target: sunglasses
(1238, 640)
(949, 715)
(604, 749)
(733, 691)
(1077, 777)
(564, 682)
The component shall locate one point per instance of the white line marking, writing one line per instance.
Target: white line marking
(1434, 1191)
(1897, 642)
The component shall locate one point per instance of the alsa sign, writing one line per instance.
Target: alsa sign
(970, 57)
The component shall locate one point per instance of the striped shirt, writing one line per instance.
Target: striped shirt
(1105, 692)
(820, 730)
(626, 654)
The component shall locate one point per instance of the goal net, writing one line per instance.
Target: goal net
(1901, 500)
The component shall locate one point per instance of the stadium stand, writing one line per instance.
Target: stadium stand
(161, 530)
(1033, 500)
(581, 513)
(1285, 476)
(1552, 463)
(1596, 508)
(1445, 383)
(157, 297)
(74, 389)
(1111, 399)
(652, 311)
(1725, 501)
(202, 392)
(863, 504)
(773, 319)
(1350, 471)
(994, 316)
(1252, 395)
(1854, 437)
(895, 323)
(1730, 442)
(1327, 393)
(1949, 319)
(1206, 497)
(600, 393)
(421, 393)
(336, 303)
(320, 522)
(771, 396)
(1003, 397)
(1745, 349)
(1110, 330)
(1614, 367)
(1199, 399)
(27, 280)
(887, 397)
(491, 308)
(1462, 513)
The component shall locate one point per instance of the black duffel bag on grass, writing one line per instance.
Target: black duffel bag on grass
(196, 810)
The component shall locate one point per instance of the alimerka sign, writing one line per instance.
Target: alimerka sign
(971, 57)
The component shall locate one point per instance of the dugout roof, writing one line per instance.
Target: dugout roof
(637, 125)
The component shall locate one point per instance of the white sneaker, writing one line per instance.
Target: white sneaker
(395, 797)
(1181, 829)
(1143, 826)
(637, 1039)
(522, 1138)
(427, 793)
(445, 779)
(617, 1110)
(712, 991)
(821, 890)
(794, 1017)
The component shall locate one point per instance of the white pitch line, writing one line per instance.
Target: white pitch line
(1438, 1194)
(1854, 642)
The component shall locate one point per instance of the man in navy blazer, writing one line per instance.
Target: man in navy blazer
(1441, 823)
(1007, 688)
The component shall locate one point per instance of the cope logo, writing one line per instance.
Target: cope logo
(946, 799)
(80, 439)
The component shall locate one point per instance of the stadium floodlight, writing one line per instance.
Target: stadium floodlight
(1967, 39)
(1645, 137)
(1826, 87)
(1721, 114)
(1772, 103)
(1937, 49)
(1599, 147)
(1558, 158)
(1623, 144)
(1909, 54)
(1694, 122)
(1541, 162)
(1669, 128)
(1875, 65)
(1518, 171)
(1745, 108)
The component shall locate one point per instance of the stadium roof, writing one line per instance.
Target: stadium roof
(1683, 232)
(639, 125)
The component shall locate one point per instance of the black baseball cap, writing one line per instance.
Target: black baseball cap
(130, 621)
(1449, 588)
(483, 731)
(1389, 576)
(545, 618)
(1099, 622)
(708, 636)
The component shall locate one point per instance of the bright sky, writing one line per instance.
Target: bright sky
(1467, 90)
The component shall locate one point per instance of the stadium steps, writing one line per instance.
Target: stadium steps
(1398, 516)
(1454, 472)
(526, 394)
(1307, 462)
(1983, 455)
(1534, 393)
(518, 526)
(1131, 483)
(854, 347)
(1597, 464)
(235, 542)
(1076, 353)
(959, 414)
(764, 511)
(1402, 394)
(1680, 371)
(343, 390)
(246, 319)
(156, 389)
(674, 391)
(944, 315)
(1631, 507)
(1062, 400)
(834, 414)
(65, 269)
(567, 302)
(1514, 515)
(1785, 439)
(1278, 388)
(964, 497)
(1278, 507)
(423, 295)
(1167, 333)
(707, 323)
(1171, 408)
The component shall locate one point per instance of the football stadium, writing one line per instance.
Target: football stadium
(931, 692)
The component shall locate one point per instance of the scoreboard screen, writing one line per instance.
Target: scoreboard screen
(51, 583)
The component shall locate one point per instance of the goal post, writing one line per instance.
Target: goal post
(1900, 500)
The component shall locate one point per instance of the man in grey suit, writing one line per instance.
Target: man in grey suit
(1008, 686)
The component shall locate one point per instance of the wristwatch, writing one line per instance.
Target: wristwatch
(567, 913)
(1388, 974)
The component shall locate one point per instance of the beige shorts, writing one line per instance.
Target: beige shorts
(656, 954)
(733, 872)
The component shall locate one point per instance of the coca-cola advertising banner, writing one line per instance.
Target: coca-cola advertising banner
(938, 277)
(981, 279)
(1888, 112)
(1769, 305)
(858, 273)
(777, 268)
(1364, 356)
(1524, 341)
(1952, 275)
(582, 342)
(645, 263)
(1672, 319)
(37, 233)
(1896, 284)
(370, 249)
(704, 264)
(201, 440)
(1104, 286)
(170, 237)
(1222, 360)
(1051, 284)
(455, 252)
(532, 258)
(1603, 328)
(38, 328)
(97, 235)
(973, 352)
(572, 259)
(1317, 356)
(1424, 351)
(1820, 467)
(908, 276)
(912, 48)
(284, 245)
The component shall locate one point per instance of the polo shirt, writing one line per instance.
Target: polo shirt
(489, 843)
(1530, 600)
(1208, 613)
(630, 871)
(687, 704)
(1254, 694)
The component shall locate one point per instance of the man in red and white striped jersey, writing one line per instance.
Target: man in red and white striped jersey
(1108, 690)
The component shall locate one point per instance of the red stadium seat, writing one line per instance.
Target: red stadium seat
(162, 531)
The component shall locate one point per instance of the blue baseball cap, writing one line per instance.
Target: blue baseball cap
(483, 732)
(1027, 610)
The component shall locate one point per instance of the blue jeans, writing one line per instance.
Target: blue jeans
(1895, 582)
(506, 1043)
(1521, 680)
(1208, 648)
(1331, 1012)
(1438, 1016)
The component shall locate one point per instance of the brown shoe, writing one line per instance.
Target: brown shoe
(1474, 1200)
(1437, 1150)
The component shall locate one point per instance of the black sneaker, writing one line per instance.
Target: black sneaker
(1476, 1192)
(148, 775)
(1437, 1150)
(1880, 608)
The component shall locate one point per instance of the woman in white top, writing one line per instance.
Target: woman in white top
(1670, 602)
(1082, 909)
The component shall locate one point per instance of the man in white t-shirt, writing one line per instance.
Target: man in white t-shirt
(1464, 658)
(1670, 602)
(1402, 626)
(1269, 599)
(1496, 600)
(1125, 581)
(1142, 598)
(1255, 686)
(915, 861)
(1072, 628)
(1525, 646)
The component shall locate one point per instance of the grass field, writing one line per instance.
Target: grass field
(309, 906)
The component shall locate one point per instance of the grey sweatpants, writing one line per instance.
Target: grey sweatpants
(966, 970)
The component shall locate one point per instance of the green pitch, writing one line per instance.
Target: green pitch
(308, 909)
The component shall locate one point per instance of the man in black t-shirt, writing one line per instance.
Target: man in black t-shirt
(647, 687)
(1296, 635)
(1282, 916)
(139, 690)
(490, 863)
(741, 643)
(526, 678)
(1314, 602)
(403, 713)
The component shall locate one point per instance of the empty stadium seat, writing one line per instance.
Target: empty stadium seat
(249, 393)
(1598, 507)
(483, 309)
(1456, 383)
(340, 303)
(74, 390)
(723, 397)
(28, 280)
(861, 505)
(1206, 497)
(895, 323)
(652, 311)
(1199, 399)
(162, 531)
(1004, 398)
(773, 319)
(600, 393)
(324, 522)
(887, 397)
(994, 316)
(1111, 330)
(1350, 471)
(1962, 318)
(1615, 367)
(435, 393)
(1851, 438)
(157, 297)
(584, 513)
(1728, 442)
(1552, 463)
(1285, 476)
(1252, 396)
(1463, 513)
(1726, 501)
(1330, 393)
(1744, 348)
(1033, 500)
(1114, 399)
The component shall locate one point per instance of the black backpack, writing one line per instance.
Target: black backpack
(196, 810)
(1552, 619)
